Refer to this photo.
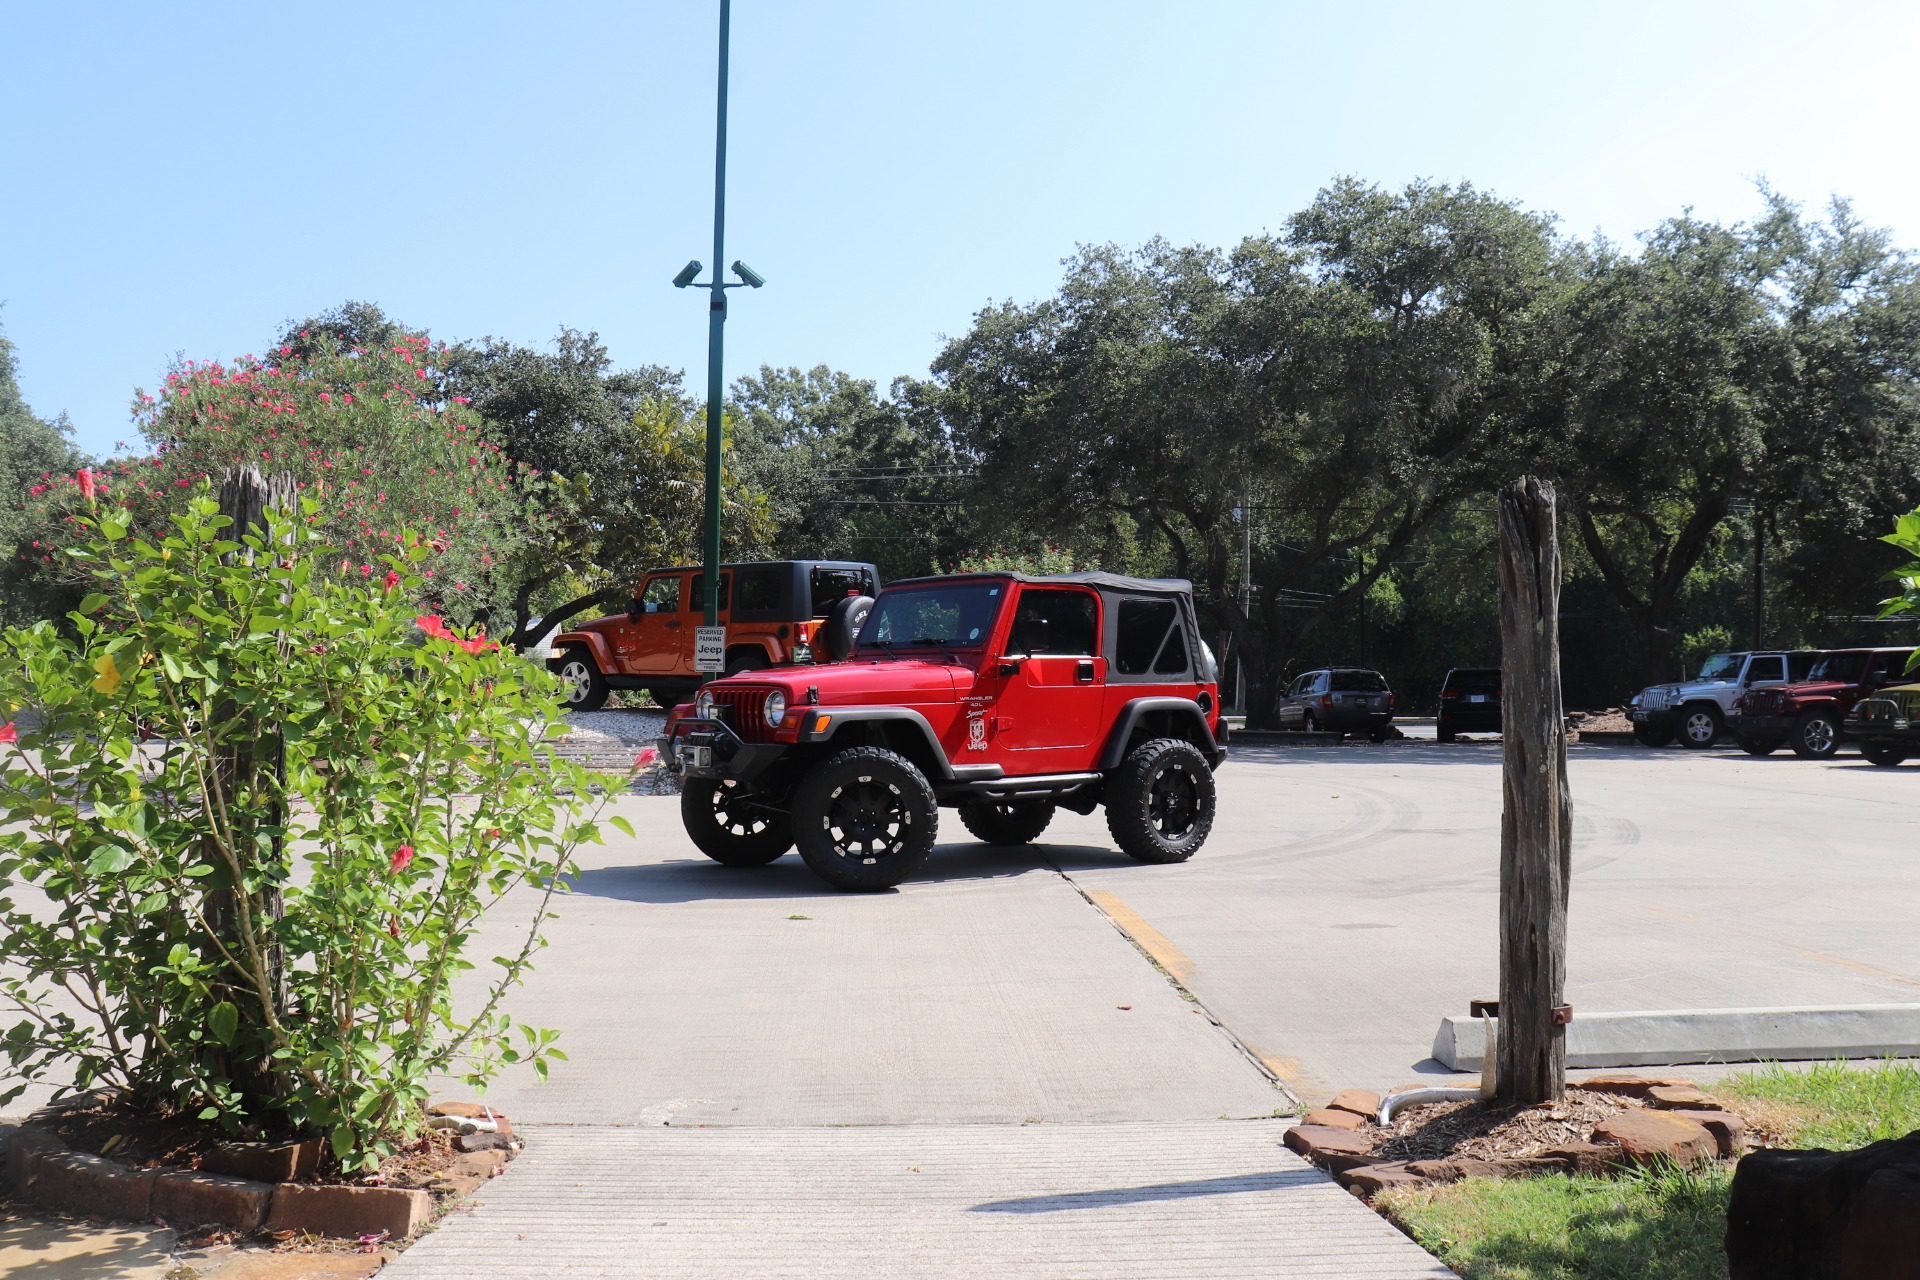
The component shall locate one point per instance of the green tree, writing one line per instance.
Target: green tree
(33, 452)
(1343, 386)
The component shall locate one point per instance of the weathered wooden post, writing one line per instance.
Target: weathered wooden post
(250, 755)
(1536, 822)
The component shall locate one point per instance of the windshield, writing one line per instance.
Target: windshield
(1846, 668)
(959, 616)
(1722, 666)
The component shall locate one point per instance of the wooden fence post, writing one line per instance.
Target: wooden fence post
(251, 755)
(1536, 821)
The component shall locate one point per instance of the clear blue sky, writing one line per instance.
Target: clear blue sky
(182, 177)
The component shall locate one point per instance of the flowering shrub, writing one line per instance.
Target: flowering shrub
(255, 817)
(366, 432)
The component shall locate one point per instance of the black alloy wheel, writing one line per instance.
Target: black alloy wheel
(1006, 822)
(1160, 801)
(1816, 736)
(1885, 754)
(865, 819)
(1700, 724)
(584, 688)
(725, 822)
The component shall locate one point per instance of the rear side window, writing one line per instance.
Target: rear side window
(696, 598)
(760, 589)
(1761, 670)
(1150, 639)
(831, 586)
(1054, 621)
(1359, 682)
(1888, 665)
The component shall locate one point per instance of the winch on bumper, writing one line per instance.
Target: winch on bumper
(707, 747)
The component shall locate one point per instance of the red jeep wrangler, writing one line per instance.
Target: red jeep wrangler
(1810, 715)
(772, 610)
(1001, 695)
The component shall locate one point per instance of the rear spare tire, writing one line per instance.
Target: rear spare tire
(1005, 821)
(843, 624)
(725, 825)
(1884, 754)
(865, 819)
(1160, 801)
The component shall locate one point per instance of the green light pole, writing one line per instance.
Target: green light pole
(716, 333)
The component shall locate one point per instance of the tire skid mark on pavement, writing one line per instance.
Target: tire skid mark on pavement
(1177, 967)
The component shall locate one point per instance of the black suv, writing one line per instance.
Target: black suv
(1339, 700)
(1469, 702)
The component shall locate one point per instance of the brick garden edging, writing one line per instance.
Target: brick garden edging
(1679, 1122)
(40, 1168)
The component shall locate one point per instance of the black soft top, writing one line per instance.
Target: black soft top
(1090, 578)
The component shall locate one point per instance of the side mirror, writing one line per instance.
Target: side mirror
(1010, 663)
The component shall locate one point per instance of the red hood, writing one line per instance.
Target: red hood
(863, 681)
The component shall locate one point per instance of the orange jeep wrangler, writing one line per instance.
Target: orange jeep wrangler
(773, 611)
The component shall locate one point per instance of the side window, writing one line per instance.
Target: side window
(1053, 621)
(1761, 670)
(662, 594)
(1887, 666)
(1173, 655)
(1320, 680)
(759, 589)
(696, 599)
(1143, 627)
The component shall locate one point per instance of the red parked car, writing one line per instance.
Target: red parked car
(1002, 696)
(1810, 715)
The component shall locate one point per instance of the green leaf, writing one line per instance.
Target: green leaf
(223, 1021)
(93, 603)
(620, 823)
(109, 859)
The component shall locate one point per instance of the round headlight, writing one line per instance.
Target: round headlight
(703, 705)
(776, 709)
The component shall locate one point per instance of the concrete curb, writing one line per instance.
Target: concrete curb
(1666, 1037)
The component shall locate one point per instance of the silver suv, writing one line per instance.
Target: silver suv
(1696, 711)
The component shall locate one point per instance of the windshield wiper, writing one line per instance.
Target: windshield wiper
(884, 646)
(940, 646)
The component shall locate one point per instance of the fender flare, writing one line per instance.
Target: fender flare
(949, 772)
(1183, 709)
(592, 641)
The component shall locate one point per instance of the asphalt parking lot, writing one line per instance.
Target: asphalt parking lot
(1345, 902)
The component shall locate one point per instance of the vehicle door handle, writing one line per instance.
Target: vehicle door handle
(1083, 671)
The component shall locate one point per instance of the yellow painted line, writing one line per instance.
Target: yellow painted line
(1856, 966)
(1149, 939)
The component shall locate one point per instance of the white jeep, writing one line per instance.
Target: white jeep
(1696, 710)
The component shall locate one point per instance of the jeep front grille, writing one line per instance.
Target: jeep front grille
(746, 712)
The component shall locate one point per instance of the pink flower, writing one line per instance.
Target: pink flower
(87, 487)
(433, 625)
(326, 397)
(365, 569)
(646, 757)
(401, 857)
(9, 732)
(462, 400)
(346, 399)
(391, 581)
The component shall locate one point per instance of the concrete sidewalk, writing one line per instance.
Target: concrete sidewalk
(1213, 1199)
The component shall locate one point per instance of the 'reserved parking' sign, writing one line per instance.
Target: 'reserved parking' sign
(709, 648)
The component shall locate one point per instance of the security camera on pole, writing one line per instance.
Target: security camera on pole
(710, 643)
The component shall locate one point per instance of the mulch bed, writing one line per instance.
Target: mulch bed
(140, 1140)
(1482, 1131)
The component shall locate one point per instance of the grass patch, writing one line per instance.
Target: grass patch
(1666, 1222)
(1831, 1104)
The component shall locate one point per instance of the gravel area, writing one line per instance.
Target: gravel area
(628, 727)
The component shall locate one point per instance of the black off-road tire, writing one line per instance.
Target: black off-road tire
(1006, 822)
(585, 688)
(1885, 754)
(1444, 735)
(1815, 736)
(1648, 736)
(865, 819)
(1701, 725)
(729, 830)
(1160, 801)
(1760, 746)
